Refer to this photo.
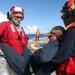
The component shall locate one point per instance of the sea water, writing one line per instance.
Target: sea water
(34, 35)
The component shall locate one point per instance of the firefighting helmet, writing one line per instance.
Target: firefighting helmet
(68, 8)
(13, 10)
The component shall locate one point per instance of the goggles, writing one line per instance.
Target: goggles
(65, 13)
(18, 17)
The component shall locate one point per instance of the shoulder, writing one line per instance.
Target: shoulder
(5, 23)
(70, 31)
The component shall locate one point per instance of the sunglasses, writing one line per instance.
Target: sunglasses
(18, 17)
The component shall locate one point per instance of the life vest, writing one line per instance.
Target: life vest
(37, 33)
(12, 37)
(68, 66)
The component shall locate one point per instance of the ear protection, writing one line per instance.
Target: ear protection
(9, 15)
(13, 10)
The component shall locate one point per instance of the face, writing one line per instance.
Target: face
(53, 37)
(65, 13)
(17, 18)
(67, 16)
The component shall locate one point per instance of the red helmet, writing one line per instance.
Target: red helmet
(13, 10)
(68, 4)
(67, 9)
(18, 9)
(68, 12)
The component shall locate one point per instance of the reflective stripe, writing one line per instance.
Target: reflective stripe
(12, 28)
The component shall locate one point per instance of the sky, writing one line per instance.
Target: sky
(38, 14)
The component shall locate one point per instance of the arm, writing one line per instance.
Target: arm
(17, 62)
(2, 28)
(67, 47)
(46, 53)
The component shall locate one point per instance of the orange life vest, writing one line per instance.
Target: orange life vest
(37, 33)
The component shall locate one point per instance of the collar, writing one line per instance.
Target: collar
(70, 26)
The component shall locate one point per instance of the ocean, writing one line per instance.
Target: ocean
(31, 36)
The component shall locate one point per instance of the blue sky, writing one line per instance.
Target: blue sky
(42, 14)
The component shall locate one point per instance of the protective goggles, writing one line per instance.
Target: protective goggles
(65, 13)
(18, 17)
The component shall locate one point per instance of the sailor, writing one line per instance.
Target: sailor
(12, 34)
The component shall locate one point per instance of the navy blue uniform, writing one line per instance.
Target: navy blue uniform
(48, 51)
(20, 63)
(38, 62)
(41, 61)
(67, 47)
(65, 51)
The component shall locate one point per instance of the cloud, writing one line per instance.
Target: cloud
(31, 29)
(3, 17)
